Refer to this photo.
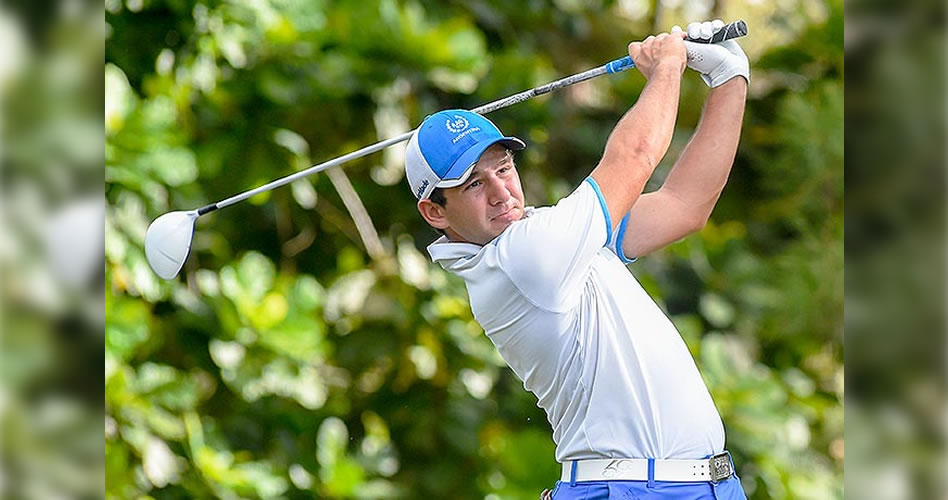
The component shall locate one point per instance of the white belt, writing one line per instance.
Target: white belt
(714, 469)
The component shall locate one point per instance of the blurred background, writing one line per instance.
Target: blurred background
(303, 354)
(51, 248)
(896, 419)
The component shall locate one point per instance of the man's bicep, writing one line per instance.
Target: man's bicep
(620, 185)
(656, 220)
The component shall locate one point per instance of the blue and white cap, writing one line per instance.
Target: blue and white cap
(444, 149)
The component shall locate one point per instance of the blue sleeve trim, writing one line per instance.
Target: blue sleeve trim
(620, 237)
(605, 209)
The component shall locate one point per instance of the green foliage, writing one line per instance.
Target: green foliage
(289, 361)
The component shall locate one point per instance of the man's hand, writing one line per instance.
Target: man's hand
(661, 50)
(717, 62)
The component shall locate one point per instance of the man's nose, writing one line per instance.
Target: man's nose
(497, 190)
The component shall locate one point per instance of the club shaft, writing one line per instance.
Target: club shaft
(616, 66)
(378, 146)
(733, 30)
(620, 64)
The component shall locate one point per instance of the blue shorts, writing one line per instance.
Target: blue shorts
(729, 489)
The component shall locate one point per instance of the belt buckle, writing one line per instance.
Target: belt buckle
(720, 467)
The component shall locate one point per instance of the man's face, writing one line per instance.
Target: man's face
(480, 209)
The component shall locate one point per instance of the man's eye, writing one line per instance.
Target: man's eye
(473, 184)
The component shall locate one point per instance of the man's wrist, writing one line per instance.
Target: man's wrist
(669, 66)
(726, 73)
(729, 93)
(735, 83)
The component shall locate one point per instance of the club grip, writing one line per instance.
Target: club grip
(736, 29)
(620, 64)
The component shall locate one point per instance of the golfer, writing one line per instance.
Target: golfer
(631, 416)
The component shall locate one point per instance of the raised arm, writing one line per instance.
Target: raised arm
(685, 201)
(641, 138)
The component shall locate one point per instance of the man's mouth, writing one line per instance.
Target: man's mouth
(505, 212)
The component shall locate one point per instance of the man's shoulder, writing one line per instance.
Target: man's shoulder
(444, 249)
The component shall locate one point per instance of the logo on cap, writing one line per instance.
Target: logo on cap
(421, 188)
(458, 124)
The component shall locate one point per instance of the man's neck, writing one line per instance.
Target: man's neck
(454, 237)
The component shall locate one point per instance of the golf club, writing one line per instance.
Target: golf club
(168, 238)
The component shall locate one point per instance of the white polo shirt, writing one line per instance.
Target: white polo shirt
(605, 363)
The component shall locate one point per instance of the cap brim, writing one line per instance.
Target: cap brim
(462, 168)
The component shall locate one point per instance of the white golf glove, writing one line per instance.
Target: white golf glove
(717, 62)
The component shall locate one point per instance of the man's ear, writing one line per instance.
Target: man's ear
(433, 213)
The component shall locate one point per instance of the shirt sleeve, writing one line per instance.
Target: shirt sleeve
(616, 244)
(548, 255)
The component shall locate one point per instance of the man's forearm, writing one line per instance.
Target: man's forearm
(639, 140)
(701, 171)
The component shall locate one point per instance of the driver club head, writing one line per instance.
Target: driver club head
(168, 242)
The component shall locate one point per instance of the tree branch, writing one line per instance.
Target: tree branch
(370, 238)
